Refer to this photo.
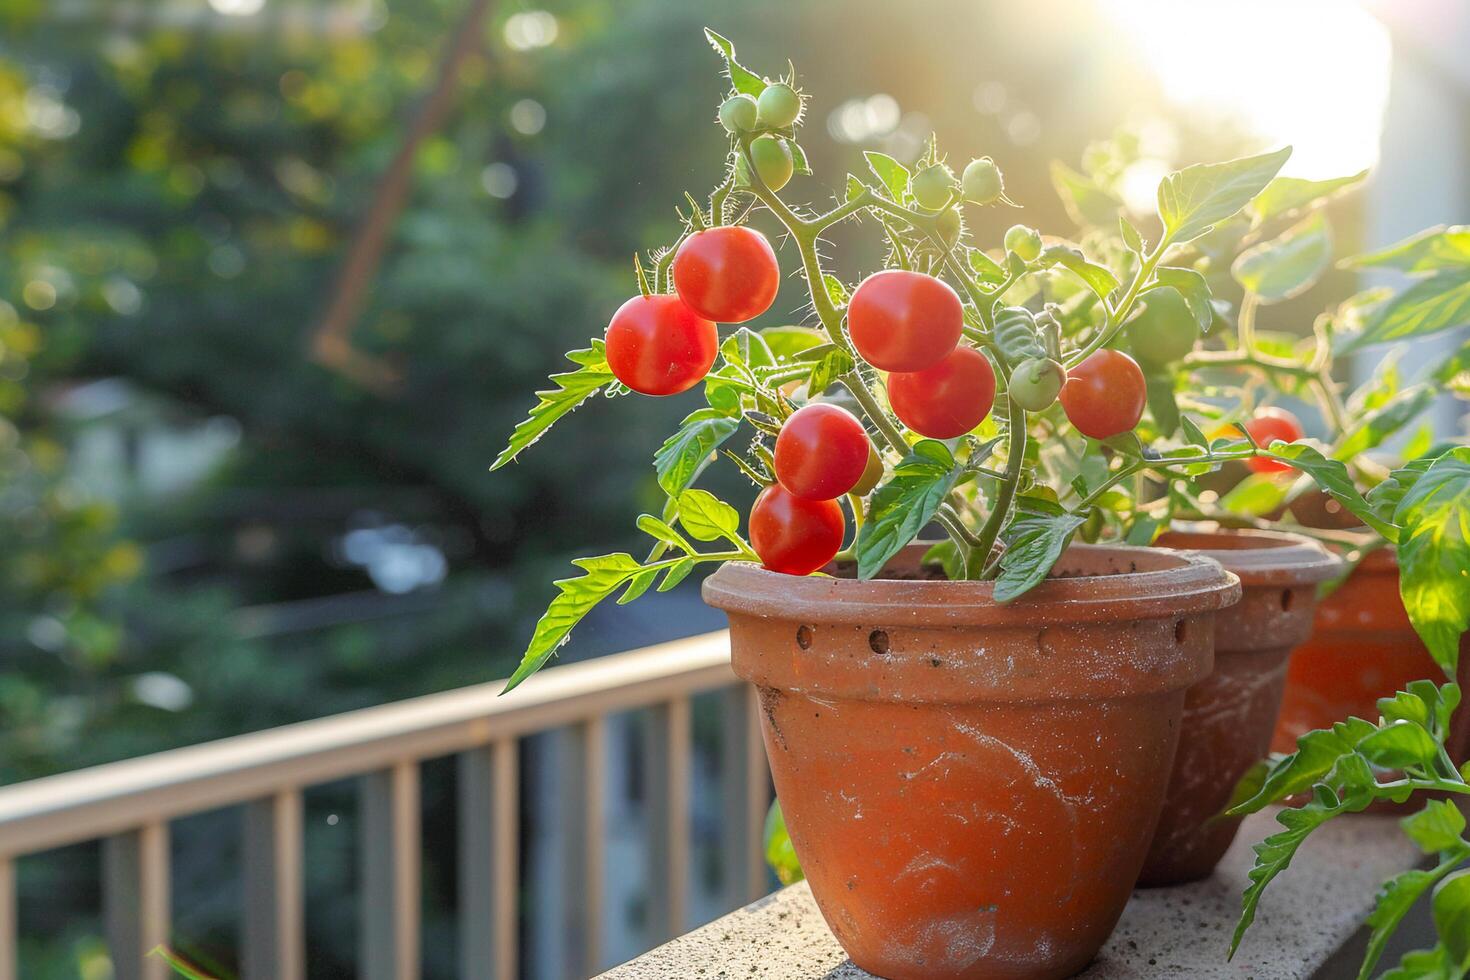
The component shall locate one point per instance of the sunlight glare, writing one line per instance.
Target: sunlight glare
(1312, 73)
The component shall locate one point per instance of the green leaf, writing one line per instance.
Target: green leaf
(787, 342)
(1161, 405)
(1097, 278)
(605, 574)
(1437, 827)
(1384, 498)
(986, 268)
(905, 505)
(686, 453)
(780, 853)
(826, 371)
(660, 531)
(1376, 426)
(1317, 754)
(741, 78)
(836, 291)
(1287, 266)
(1035, 538)
(1452, 917)
(1434, 555)
(572, 389)
(676, 574)
(1395, 899)
(1433, 305)
(1428, 251)
(1425, 964)
(1192, 200)
(1087, 204)
(708, 518)
(1287, 194)
(1196, 292)
(638, 585)
(1274, 854)
(946, 555)
(1333, 478)
(1131, 238)
(1398, 745)
(893, 175)
(747, 348)
(1192, 432)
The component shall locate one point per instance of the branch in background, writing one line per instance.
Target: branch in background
(331, 340)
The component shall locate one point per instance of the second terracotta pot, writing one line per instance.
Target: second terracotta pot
(1229, 716)
(971, 787)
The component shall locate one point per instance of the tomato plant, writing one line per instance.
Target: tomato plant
(727, 274)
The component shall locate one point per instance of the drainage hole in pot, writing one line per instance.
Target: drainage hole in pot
(878, 641)
(804, 637)
(1181, 631)
(1285, 600)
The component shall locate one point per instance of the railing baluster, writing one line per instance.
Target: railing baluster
(135, 900)
(391, 851)
(9, 952)
(594, 841)
(748, 794)
(274, 933)
(668, 818)
(489, 879)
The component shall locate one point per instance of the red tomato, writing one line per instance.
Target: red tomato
(1104, 395)
(658, 346)
(948, 399)
(821, 452)
(1270, 424)
(792, 535)
(904, 321)
(727, 274)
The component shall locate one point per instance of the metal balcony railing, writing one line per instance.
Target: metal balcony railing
(129, 805)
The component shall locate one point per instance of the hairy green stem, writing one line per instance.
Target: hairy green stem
(1119, 313)
(1000, 507)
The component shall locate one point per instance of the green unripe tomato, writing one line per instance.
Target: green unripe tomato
(772, 158)
(948, 225)
(1036, 383)
(981, 183)
(1165, 331)
(738, 114)
(1025, 242)
(779, 106)
(932, 186)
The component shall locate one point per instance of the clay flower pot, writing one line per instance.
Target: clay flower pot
(971, 787)
(1362, 648)
(1230, 715)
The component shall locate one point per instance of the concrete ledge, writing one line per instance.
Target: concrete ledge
(1309, 913)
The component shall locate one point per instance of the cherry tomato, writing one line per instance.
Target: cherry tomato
(1164, 331)
(773, 161)
(1025, 242)
(1268, 425)
(727, 274)
(656, 345)
(1036, 382)
(792, 535)
(779, 105)
(737, 114)
(981, 182)
(821, 452)
(948, 399)
(904, 321)
(932, 186)
(1104, 395)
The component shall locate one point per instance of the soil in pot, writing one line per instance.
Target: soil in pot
(1362, 648)
(971, 787)
(1229, 716)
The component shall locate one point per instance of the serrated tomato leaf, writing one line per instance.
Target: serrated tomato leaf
(1196, 198)
(1035, 538)
(1434, 554)
(902, 507)
(572, 389)
(686, 453)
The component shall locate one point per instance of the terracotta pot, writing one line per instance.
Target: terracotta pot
(971, 787)
(1362, 648)
(1229, 716)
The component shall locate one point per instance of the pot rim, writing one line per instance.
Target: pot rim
(1157, 583)
(1259, 558)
